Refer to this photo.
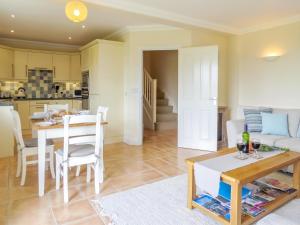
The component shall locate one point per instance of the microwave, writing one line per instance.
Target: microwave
(77, 93)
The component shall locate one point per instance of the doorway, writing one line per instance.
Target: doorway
(160, 109)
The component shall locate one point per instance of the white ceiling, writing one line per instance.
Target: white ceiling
(44, 20)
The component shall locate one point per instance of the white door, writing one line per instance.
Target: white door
(197, 97)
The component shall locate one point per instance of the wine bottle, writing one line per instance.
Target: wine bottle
(246, 138)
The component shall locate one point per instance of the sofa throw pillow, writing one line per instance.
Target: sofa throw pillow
(298, 131)
(276, 124)
(253, 118)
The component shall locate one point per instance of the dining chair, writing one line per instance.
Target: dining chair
(29, 147)
(80, 148)
(64, 107)
(103, 110)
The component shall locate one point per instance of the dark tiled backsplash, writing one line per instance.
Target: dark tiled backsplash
(40, 84)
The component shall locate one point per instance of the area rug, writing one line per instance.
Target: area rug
(164, 203)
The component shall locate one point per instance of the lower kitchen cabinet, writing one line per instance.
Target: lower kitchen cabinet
(24, 111)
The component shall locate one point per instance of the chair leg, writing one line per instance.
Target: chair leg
(101, 171)
(57, 174)
(24, 165)
(52, 163)
(77, 171)
(19, 164)
(65, 178)
(97, 177)
(88, 173)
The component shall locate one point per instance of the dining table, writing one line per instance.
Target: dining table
(44, 131)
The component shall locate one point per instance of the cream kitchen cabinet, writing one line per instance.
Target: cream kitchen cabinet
(24, 111)
(20, 65)
(85, 59)
(6, 63)
(77, 105)
(75, 74)
(61, 67)
(40, 60)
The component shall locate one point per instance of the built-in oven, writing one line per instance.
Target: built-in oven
(85, 90)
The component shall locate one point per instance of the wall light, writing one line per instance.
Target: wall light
(271, 58)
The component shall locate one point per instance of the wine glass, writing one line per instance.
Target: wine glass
(256, 145)
(241, 146)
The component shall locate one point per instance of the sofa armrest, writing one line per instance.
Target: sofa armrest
(234, 128)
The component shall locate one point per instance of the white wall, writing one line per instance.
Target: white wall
(257, 82)
(163, 66)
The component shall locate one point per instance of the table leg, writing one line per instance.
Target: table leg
(296, 177)
(236, 204)
(191, 186)
(41, 161)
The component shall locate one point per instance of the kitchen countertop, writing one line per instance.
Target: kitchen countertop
(36, 99)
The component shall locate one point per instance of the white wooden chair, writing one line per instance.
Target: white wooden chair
(103, 110)
(29, 147)
(56, 107)
(80, 149)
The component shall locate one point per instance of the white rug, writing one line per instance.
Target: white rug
(164, 203)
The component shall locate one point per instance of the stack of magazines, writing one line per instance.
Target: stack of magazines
(254, 197)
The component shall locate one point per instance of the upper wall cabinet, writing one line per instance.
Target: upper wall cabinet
(61, 67)
(20, 65)
(85, 59)
(75, 68)
(6, 63)
(39, 60)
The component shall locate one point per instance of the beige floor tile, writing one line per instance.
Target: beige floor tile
(93, 220)
(74, 211)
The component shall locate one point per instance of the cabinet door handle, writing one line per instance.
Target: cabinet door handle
(54, 71)
(12, 70)
(26, 70)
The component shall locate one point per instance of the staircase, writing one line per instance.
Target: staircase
(165, 118)
(158, 114)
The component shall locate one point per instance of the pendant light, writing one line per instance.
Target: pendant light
(76, 11)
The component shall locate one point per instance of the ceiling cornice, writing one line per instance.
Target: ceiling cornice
(266, 26)
(167, 15)
(163, 14)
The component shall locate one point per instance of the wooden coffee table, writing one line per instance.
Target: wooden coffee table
(241, 176)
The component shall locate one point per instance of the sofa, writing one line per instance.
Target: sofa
(235, 129)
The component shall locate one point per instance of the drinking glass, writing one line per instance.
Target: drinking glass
(256, 145)
(241, 146)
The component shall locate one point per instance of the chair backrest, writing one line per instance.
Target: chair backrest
(56, 107)
(93, 135)
(103, 110)
(18, 130)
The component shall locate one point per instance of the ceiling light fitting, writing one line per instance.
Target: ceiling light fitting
(76, 11)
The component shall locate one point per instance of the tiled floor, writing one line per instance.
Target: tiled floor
(125, 167)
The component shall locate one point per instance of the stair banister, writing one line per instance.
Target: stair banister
(149, 96)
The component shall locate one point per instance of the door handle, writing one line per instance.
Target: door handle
(213, 99)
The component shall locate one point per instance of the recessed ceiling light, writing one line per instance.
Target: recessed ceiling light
(12, 31)
(70, 38)
(83, 26)
(12, 16)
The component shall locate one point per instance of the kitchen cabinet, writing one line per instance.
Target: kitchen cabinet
(6, 63)
(77, 105)
(61, 67)
(75, 74)
(20, 65)
(24, 112)
(85, 59)
(39, 60)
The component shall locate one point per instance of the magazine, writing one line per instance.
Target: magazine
(255, 201)
(274, 183)
(252, 211)
(213, 205)
(265, 197)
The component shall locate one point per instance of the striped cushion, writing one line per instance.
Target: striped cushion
(253, 118)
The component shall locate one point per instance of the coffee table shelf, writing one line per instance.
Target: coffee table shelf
(239, 177)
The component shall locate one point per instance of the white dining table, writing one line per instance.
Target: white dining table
(51, 132)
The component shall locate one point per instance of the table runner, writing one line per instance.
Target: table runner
(208, 172)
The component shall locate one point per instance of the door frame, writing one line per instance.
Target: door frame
(141, 80)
